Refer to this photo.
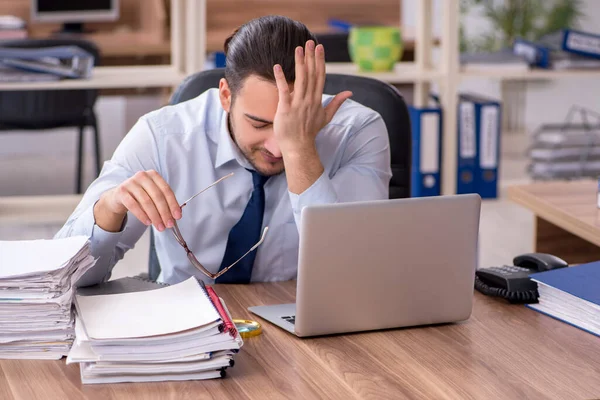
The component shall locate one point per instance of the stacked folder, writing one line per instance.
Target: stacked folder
(178, 332)
(37, 286)
(571, 295)
(46, 63)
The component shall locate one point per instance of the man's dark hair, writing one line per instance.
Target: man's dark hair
(255, 47)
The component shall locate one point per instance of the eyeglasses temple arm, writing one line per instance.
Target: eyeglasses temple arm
(205, 189)
(262, 238)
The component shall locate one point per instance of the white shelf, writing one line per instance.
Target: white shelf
(110, 78)
(534, 74)
(403, 72)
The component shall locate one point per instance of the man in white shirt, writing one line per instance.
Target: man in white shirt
(287, 145)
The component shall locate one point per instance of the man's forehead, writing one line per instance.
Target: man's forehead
(258, 96)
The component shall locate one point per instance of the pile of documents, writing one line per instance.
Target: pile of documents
(44, 64)
(170, 333)
(37, 280)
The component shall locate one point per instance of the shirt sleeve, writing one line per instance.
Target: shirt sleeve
(138, 151)
(364, 173)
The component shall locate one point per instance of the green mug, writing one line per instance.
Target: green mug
(375, 48)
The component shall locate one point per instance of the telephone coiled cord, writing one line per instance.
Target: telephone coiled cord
(528, 296)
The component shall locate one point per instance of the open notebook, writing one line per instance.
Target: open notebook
(156, 333)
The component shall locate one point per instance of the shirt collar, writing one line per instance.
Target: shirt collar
(227, 150)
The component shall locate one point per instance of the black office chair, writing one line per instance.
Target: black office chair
(48, 109)
(378, 95)
(336, 46)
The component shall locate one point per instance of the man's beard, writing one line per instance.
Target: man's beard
(248, 154)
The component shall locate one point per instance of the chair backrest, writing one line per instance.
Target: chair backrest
(375, 94)
(336, 45)
(378, 95)
(43, 109)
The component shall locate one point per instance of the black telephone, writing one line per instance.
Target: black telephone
(512, 282)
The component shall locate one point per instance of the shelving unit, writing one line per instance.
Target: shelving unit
(534, 74)
(448, 74)
(188, 24)
(422, 72)
(403, 72)
(110, 78)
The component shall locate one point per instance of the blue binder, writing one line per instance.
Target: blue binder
(467, 161)
(487, 139)
(536, 54)
(564, 49)
(581, 282)
(426, 125)
(573, 41)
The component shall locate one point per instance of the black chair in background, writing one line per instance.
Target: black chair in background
(378, 95)
(336, 46)
(37, 110)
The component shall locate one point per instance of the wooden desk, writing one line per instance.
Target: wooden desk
(567, 218)
(502, 352)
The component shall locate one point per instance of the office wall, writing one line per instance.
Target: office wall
(131, 15)
(223, 16)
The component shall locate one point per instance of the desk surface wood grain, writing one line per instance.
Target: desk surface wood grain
(502, 352)
(570, 205)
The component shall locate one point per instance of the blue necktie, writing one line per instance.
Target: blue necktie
(245, 234)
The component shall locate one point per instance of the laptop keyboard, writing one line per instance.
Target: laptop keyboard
(291, 319)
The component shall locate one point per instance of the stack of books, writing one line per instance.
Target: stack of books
(37, 287)
(169, 333)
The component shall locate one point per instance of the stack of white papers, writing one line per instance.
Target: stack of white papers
(37, 287)
(170, 333)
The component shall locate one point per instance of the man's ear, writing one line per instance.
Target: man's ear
(225, 94)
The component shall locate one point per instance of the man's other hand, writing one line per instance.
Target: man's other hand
(146, 195)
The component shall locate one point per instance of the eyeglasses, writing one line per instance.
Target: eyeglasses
(190, 255)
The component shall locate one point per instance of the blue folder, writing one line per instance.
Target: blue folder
(574, 41)
(426, 125)
(487, 143)
(581, 281)
(536, 54)
(467, 161)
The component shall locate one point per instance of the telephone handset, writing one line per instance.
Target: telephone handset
(512, 281)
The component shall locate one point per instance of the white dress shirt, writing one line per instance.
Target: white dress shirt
(189, 145)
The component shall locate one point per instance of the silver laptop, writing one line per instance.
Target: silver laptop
(382, 264)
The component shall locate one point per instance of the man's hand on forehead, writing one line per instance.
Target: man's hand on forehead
(300, 113)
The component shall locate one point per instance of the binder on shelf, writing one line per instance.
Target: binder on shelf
(487, 139)
(535, 54)
(549, 54)
(573, 41)
(467, 162)
(426, 126)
